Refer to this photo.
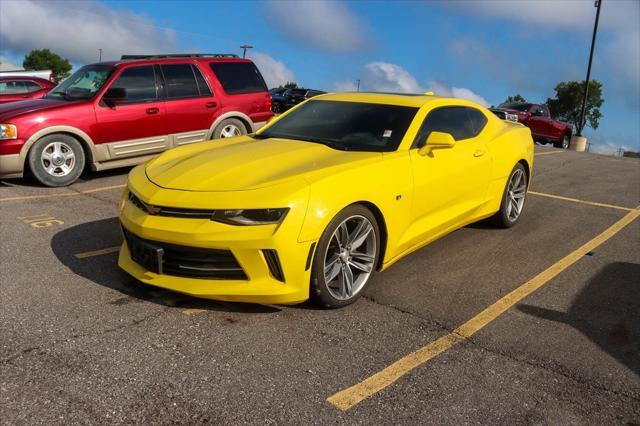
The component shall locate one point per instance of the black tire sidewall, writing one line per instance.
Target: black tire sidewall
(35, 166)
(501, 218)
(239, 124)
(319, 292)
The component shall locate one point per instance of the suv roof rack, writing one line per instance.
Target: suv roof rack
(180, 55)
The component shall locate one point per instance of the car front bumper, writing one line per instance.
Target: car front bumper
(247, 244)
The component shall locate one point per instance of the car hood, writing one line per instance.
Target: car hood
(244, 163)
(13, 109)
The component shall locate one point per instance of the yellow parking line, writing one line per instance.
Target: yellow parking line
(193, 311)
(63, 194)
(548, 152)
(575, 200)
(351, 396)
(97, 252)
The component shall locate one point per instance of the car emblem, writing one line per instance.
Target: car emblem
(150, 208)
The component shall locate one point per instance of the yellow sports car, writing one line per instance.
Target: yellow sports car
(325, 194)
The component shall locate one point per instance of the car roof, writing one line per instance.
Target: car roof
(22, 78)
(145, 61)
(400, 99)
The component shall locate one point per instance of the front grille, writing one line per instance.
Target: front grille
(170, 211)
(183, 261)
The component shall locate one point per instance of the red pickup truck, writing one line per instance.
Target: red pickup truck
(537, 117)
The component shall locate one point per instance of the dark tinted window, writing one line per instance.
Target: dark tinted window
(139, 82)
(180, 81)
(545, 111)
(202, 84)
(239, 77)
(460, 122)
(349, 126)
(31, 86)
(516, 105)
(12, 87)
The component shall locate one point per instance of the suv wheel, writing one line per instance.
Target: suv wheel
(56, 160)
(229, 128)
(564, 143)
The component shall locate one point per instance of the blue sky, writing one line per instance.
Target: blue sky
(480, 49)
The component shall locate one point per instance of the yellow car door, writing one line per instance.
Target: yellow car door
(449, 183)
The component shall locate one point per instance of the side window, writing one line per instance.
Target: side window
(12, 88)
(203, 88)
(139, 82)
(460, 122)
(31, 86)
(239, 77)
(180, 81)
(545, 111)
(536, 111)
(477, 120)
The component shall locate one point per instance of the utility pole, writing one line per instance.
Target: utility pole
(100, 55)
(358, 85)
(598, 4)
(244, 48)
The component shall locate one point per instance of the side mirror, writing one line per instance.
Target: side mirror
(437, 140)
(115, 95)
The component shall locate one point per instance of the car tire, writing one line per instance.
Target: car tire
(564, 143)
(56, 160)
(276, 108)
(345, 258)
(228, 128)
(513, 198)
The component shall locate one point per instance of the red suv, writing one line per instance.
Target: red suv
(115, 114)
(20, 88)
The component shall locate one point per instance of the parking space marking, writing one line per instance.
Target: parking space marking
(63, 194)
(193, 311)
(547, 153)
(575, 200)
(347, 398)
(97, 252)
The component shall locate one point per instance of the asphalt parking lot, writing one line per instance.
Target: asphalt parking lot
(536, 324)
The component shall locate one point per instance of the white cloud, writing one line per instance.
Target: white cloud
(275, 72)
(387, 77)
(6, 65)
(322, 24)
(77, 29)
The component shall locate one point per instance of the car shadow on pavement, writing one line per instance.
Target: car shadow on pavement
(607, 311)
(103, 269)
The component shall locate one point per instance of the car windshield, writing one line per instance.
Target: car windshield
(516, 106)
(83, 84)
(347, 126)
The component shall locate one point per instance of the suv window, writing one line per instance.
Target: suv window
(545, 110)
(184, 81)
(239, 77)
(31, 86)
(139, 82)
(460, 122)
(12, 87)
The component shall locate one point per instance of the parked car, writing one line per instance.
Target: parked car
(537, 117)
(321, 197)
(281, 101)
(115, 114)
(14, 89)
(43, 74)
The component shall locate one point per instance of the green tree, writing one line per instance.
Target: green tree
(568, 103)
(515, 98)
(290, 85)
(45, 59)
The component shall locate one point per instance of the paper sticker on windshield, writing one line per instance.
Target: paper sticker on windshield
(387, 133)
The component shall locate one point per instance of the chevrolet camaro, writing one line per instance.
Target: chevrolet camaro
(323, 196)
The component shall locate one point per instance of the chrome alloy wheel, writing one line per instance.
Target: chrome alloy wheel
(350, 256)
(565, 142)
(516, 192)
(58, 159)
(229, 131)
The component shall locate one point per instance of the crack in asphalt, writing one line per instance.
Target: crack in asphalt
(75, 337)
(558, 370)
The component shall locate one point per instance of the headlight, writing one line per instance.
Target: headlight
(250, 217)
(8, 131)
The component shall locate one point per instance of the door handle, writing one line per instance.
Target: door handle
(153, 110)
(479, 153)
(211, 104)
